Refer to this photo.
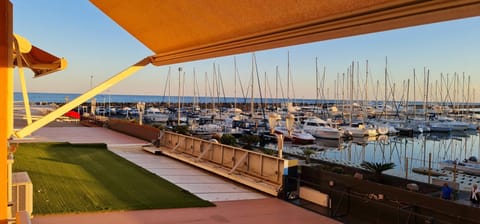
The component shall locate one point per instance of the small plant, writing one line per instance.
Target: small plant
(270, 152)
(249, 140)
(377, 168)
(181, 129)
(307, 152)
(228, 139)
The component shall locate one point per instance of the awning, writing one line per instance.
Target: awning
(38, 60)
(186, 30)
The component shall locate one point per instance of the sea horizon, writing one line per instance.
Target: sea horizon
(45, 98)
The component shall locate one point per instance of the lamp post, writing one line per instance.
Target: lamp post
(272, 121)
(141, 110)
(289, 123)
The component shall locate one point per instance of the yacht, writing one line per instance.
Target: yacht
(321, 129)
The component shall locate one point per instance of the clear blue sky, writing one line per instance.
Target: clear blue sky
(95, 46)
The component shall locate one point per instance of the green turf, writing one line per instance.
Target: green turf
(71, 178)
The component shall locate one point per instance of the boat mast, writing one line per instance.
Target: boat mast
(386, 89)
(214, 88)
(366, 90)
(169, 92)
(288, 76)
(343, 94)
(179, 92)
(183, 89)
(407, 102)
(352, 80)
(194, 90)
(206, 89)
(414, 95)
(235, 84)
(251, 90)
(316, 85)
(276, 86)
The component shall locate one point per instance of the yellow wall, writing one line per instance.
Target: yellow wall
(6, 97)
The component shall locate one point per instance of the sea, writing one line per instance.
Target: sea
(118, 98)
(58, 98)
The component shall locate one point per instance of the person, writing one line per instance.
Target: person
(474, 195)
(446, 191)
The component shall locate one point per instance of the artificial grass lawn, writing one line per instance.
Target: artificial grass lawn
(71, 178)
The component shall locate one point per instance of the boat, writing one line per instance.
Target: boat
(468, 166)
(447, 124)
(320, 128)
(206, 129)
(356, 132)
(153, 114)
(382, 129)
(405, 131)
(297, 136)
(426, 171)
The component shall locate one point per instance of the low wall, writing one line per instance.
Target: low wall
(266, 167)
(145, 132)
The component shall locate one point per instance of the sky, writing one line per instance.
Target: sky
(96, 48)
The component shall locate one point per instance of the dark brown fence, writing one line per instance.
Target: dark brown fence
(144, 132)
(356, 201)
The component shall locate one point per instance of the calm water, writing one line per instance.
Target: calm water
(397, 149)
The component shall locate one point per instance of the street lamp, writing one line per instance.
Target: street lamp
(289, 123)
(91, 81)
(141, 110)
(272, 121)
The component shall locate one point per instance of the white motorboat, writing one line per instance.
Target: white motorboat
(206, 129)
(153, 114)
(321, 129)
(356, 131)
(297, 136)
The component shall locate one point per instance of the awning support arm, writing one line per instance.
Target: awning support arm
(26, 101)
(29, 129)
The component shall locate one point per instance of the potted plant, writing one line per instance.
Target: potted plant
(377, 168)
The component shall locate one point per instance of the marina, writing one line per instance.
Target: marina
(334, 123)
(410, 151)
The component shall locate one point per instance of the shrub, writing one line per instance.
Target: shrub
(228, 139)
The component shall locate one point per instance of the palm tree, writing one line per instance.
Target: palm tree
(377, 168)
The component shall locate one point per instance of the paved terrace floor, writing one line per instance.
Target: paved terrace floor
(230, 198)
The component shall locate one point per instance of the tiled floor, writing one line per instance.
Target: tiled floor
(201, 183)
(265, 211)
